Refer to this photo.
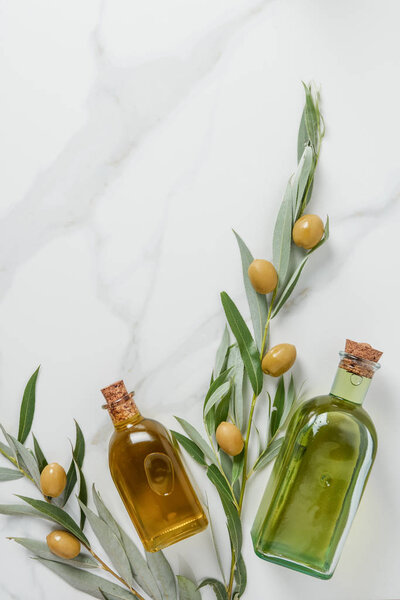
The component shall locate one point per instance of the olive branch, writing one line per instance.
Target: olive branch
(237, 369)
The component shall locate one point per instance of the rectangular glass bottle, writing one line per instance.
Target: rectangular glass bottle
(320, 473)
(149, 475)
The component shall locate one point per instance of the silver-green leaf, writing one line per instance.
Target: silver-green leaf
(195, 452)
(86, 582)
(282, 238)
(41, 549)
(196, 437)
(218, 587)
(58, 515)
(22, 510)
(219, 393)
(236, 363)
(28, 461)
(269, 454)
(221, 357)
(247, 346)
(110, 543)
(277, 407)
(300, 180)
(139, 567)
(187, 589)
(27, 408)
(163, 574)
(258, 304)
(9, 474)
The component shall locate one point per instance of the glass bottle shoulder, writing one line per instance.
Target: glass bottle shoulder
(340, 411)
(139, 431)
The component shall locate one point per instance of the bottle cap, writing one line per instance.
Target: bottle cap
(120, 403)
(360, 358)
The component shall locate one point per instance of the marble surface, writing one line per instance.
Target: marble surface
(134, 136)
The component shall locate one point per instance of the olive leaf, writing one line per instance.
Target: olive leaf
(311, 118)
(187, 589)
(277, 407)
(304, 171)
(282, 238)
(237, 466)
(27, 461)
(21, 510)
(58, 515)
(190, 447)
(218, 587)
(86, 582)
(222, 409)
(109, 596)
(303, 139)
(226, 464)
(240, 577)
(235, 363)
(219, 393)
(214, 539)
(257, 302)
(82, 496)
(296, 275)
(232, 515)
(27, 408)
(161, 569)
(41, 549)
(271, 451)
(22, 457)
(110, 543)
(139, 566)
(209, 417)
(11, 446)
(197, 439)
(246, 344)
(9, 474)
(222, 353)
(40, 457)
(7, 452)
(78, 454)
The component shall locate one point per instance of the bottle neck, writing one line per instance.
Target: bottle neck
(128, 422)
(350, 386)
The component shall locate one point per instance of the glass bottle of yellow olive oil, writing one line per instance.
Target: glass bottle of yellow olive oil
(320, 473)
(149, 475)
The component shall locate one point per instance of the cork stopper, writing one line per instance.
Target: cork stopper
(120, 403)
(360, 358)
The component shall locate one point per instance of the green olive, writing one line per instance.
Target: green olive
(53, 480)
(308, 231)
(229, 438)
(263, 276)
(63, 544)
(279, 359)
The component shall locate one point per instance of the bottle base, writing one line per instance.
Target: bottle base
(296, 566)
(176, 534)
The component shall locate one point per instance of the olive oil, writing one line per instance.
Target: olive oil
(150, 476)
(320, 473)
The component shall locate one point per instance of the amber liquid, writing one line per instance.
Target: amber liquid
(153, 484)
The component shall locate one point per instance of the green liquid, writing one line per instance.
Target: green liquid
(316, 485)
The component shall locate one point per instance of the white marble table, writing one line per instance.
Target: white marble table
(134, 136)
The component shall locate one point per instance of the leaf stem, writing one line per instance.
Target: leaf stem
(113, 573)
(245, 476)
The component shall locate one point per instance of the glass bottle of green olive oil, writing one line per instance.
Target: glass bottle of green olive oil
(320, 473)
